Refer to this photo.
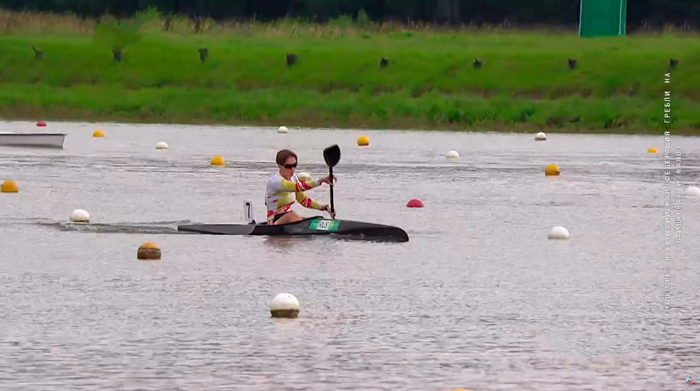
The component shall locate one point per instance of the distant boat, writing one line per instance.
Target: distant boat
(37, 140)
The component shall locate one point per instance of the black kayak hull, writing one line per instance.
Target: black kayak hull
(312, 226)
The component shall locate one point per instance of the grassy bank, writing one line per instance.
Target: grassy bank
(523, 85)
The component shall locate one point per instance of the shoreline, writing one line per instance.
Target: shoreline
(493, 127)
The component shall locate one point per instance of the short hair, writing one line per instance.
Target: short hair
(283, 155)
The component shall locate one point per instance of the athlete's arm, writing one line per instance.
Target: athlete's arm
(308, 202)
(296, 187)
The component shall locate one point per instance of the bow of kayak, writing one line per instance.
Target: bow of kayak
(346, 229)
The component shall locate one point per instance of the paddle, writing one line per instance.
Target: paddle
(332, 156)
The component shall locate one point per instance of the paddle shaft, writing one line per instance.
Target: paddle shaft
(330, 170)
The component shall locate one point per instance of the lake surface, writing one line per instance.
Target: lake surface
(478, 299)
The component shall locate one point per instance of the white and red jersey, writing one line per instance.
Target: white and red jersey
(281, 193)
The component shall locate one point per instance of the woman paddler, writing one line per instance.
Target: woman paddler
(285, 186)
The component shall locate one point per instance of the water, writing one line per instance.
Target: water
(477, 299)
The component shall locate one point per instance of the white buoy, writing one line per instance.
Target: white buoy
(282, 129)
(80, 216)
(452, 155)
(692, 191)
(162, 145)
(558, 232)
(304, 176)
(540, 136)
(284, 305)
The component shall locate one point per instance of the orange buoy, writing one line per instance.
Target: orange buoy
(551, 170)
(218, 161)
(415, 203)
(9, 187)
(148, 251)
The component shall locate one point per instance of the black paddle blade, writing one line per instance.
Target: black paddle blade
(331, 155)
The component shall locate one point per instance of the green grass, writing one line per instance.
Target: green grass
(524, 83)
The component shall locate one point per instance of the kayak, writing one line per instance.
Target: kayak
(344, 229)
(316, 225)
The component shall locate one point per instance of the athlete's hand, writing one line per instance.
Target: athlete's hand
(328, 209)
(327, 179)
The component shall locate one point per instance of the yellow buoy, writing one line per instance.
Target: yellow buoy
(9, 187)
(217, 161)
(98, 133)
(652, 150)
(551, 170)
(363, 141)
(148, 251)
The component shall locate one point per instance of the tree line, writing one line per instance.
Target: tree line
(649, 13)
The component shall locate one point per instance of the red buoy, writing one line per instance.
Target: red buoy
(415, 203)
(41, 123)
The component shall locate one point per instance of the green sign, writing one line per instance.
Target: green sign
(602, 18)
(324, 225)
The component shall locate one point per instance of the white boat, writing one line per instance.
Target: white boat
(39, 140)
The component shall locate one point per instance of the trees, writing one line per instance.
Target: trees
(557, 12)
